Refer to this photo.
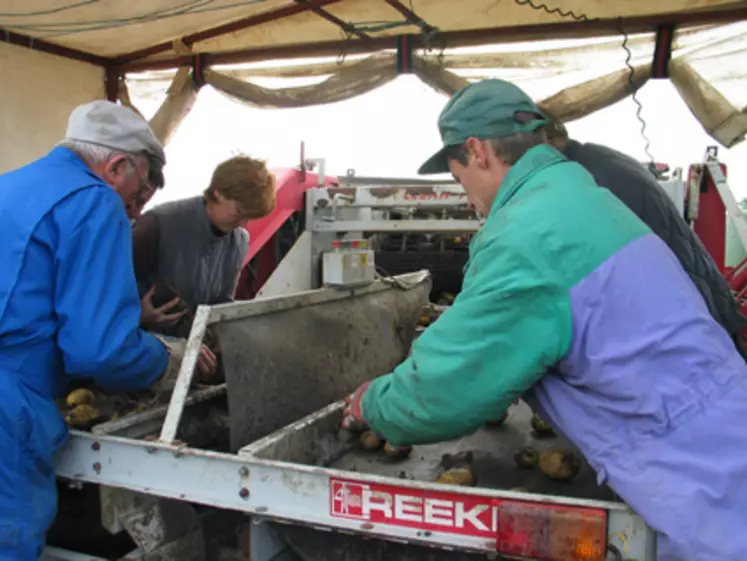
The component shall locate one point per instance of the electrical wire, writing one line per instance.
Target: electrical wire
(59, 29)
(430, 33)
(47, 12)
(427, 31)
(188, 8)
(551, 11)
(639, 106)
(75, 26)
(376, 26)
(629, 55)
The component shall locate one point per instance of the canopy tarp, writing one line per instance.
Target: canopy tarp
(605, 55)
(112, 28)
(571, 78)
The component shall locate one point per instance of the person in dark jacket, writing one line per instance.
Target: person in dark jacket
(198, 244)
(636, 186)
(194, 248)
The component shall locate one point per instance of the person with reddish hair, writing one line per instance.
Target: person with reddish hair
(196, 246)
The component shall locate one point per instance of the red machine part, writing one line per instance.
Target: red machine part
(262, 258)
(710, 226)
(737, 279)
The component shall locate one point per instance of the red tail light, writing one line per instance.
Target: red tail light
(551, 533)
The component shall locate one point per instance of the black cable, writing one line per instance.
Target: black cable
(347, 38)
(629, 55)
(191, 7)
(47, 12)
(544, 7)
(611, 549)
(639, 108)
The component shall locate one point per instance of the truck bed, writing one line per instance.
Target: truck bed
(317, 440)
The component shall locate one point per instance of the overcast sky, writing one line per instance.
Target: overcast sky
(390, 131)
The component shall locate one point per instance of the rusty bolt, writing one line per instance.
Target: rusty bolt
(244, 493)
(97, 467)
(367, 526)
(95, 446)
(244, 471)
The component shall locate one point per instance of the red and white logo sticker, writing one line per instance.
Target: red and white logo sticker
(428, 510)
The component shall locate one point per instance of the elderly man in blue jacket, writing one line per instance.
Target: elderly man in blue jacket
(69, 306)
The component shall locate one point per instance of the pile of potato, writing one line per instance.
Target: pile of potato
(82, 407)
(431, 312)
(373, 442)
(557, 464)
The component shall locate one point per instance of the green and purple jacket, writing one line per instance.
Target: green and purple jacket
(572, 302)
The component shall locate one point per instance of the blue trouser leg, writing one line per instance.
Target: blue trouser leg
(21, 545)
(27, 501)
(31, 430)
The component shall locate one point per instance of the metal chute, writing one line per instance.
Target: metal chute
(287, 356)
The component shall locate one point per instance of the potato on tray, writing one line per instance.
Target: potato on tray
(560, 465)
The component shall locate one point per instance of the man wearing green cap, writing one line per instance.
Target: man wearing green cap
(571, 302)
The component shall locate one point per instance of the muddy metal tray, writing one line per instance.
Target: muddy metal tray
(369, 490)
(317, 441)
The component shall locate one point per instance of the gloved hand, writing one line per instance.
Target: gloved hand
(352, 415)
(175, 347)
(206, 363)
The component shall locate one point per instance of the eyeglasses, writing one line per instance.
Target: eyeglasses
(144, 189)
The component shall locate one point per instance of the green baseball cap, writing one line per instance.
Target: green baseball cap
(485, 109)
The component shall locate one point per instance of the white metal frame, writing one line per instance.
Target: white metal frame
(403, 196)
(291, 492)
(336, 210)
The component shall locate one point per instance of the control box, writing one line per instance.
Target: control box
(349, 264)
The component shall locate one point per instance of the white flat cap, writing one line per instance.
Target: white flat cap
(119, 128)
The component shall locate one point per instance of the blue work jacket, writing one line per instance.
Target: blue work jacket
(69, 306)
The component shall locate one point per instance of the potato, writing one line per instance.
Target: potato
(561, 465)
(81, 415)
(526, 457)
(371, 441)
(457, 476)
(81, 396)
(396, 452)
(540, 427)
